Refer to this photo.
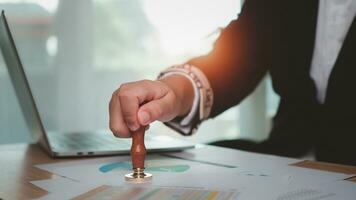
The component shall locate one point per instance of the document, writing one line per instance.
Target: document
(255, 176)
(167, 172)
(335, 190)
(154, 193)
(60, 188)
(231, 157)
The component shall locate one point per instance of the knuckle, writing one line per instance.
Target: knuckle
(125, 94)
(119, 132)
(123, 89)
(145, 82)
(114, 94)
(124, 86)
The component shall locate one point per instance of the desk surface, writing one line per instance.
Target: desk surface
(16, 170)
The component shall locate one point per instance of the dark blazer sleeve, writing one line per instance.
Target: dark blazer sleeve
(238, 60)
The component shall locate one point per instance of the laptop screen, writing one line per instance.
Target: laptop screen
(19, 81)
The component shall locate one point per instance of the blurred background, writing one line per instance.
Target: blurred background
(76, 53)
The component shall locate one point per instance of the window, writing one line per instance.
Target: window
(76, 53)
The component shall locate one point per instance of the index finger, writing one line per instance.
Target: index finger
(116, 121)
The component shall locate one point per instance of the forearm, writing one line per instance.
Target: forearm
(230, 84)
(230, 72)
(239, 59)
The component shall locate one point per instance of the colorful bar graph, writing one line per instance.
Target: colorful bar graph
(154, 193)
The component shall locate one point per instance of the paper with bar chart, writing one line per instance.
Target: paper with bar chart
(190, 178)
(172, 178)
(150, 167)
(168, 172)
(153, 193)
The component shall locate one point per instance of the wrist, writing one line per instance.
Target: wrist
(183, 90)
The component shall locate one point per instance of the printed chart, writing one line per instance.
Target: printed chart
(151, 166)
(154, 193)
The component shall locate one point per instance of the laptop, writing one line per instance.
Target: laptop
(59, 144)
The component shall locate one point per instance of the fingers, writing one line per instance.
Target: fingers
(131, 96)
(129, 106)
(116, 122)
(161, 109)
(126, 101)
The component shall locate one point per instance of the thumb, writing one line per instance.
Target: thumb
(161, 109)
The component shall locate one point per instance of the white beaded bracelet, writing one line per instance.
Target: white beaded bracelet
(201, 86)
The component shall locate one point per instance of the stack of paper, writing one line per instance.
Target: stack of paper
(205, 173)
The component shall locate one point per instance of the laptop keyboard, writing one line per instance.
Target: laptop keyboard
(106, 142)
(88, 141)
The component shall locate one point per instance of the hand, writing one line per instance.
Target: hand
(139, 103)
